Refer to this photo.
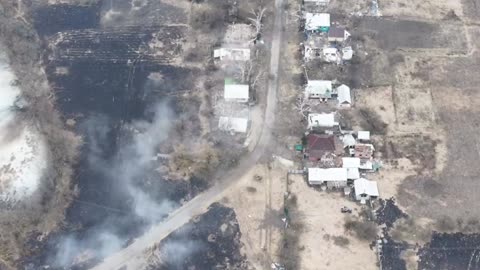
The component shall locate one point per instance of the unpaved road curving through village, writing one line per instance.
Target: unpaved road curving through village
(133, 256)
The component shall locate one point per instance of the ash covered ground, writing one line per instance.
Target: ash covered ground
(211, 240)
(116, 70)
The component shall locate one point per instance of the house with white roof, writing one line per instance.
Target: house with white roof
(321, 120)
(365, 190)
(232, 54)
(317, 22)
(233, 124)
(319, 89)
(332, 177)
(343, 96)
(236, 92)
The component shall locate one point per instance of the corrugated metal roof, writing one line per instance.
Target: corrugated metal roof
(344, 96)
(364, 186)
(330, 174)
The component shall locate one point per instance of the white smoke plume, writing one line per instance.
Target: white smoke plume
(129, 164)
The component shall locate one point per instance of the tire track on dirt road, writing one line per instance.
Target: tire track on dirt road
(133, 256)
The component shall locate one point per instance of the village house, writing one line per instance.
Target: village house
(321, 120)
(233, 124)
(317, 22)
(319, 89)
(364, 151)
(321, 145)
(231, 54)
(236, 92)
(365, 190)
(343, 96)
(331, 177)
(337, 34)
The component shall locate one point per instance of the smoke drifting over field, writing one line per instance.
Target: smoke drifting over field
(125, 169)
(23, 152)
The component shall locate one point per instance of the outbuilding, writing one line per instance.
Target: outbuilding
(363, 136)
(343, 96)
(365, 190)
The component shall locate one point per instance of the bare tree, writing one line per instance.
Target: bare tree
(257, 21)
(303, 107)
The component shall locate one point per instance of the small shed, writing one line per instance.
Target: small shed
(319, 89)
(317, 22)
(336, 176)
(319, 120)
(363, 136)
(338, 34)
(365, 190)
(344, 98)
(236, 92)
(233, 124)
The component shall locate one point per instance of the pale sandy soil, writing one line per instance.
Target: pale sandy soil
(420, 9)
(257, 211)
(322, 221)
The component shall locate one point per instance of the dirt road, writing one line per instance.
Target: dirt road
(133, 256)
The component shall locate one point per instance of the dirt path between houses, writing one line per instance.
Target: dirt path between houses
(133, 256)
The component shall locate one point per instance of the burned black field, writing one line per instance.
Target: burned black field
(214, 237)
(110, 85)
